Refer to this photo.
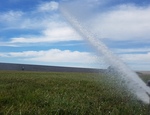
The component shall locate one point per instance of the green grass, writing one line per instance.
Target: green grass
(45, 93)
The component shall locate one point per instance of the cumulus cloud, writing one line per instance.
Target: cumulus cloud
(125, 22)
(16, 20)
(116, 22)
(131, 50)
(51, 26)
(52, 55)
(10, 16)
(48, 6)
(121, 22)
(10, 19)
(138, 58)
(51, 34)
(137, 61)
(37, 18)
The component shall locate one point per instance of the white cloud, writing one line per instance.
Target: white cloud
(125, 22)
(116, 22)
(138, 58)
(84, 59)
(8, 44)
(53, 55)
(52, 27)
(11, 16)
(133, 50)
(48, 6)
(38, 18)
(65, 56)
(51, 34)
(140, 61)
(18, 20)
(10, 19)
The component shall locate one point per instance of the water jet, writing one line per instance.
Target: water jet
(131, 80)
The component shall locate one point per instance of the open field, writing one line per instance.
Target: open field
(60, 93)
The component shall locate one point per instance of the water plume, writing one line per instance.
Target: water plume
(125, 76)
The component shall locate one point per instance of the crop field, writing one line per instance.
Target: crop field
(51, 93)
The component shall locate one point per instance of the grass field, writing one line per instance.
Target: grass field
(41, 93)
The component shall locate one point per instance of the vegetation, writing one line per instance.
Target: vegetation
(45, 93)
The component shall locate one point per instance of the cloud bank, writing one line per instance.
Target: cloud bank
(56, 56)
(120, 22)
(124, 21)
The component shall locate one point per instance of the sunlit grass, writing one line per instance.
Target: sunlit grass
(40, 93)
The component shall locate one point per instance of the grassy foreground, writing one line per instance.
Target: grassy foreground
(39, 93)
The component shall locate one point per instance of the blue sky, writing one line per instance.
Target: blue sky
(35, 32)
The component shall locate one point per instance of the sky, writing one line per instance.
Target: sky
(35, 32)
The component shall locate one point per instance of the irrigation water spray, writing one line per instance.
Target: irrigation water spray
(130, 79)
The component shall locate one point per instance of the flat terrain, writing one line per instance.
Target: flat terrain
(44, 68)
(60, 93)
(145, 72)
